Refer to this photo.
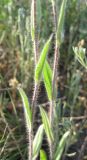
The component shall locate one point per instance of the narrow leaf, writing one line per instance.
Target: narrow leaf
(61, 21)
(27, 110)
(47, 125)
(43, 155)
(61, 146)
(47, 74)
(40, 64)
(37, 142)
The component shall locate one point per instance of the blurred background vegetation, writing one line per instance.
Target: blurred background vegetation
(17, 66)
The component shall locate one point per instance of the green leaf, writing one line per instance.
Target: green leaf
(61, 146)
(61, 21)
(37, 142)
(40, 64)
(43, 155)
(47, 74)
(27, 110)
(47, 125)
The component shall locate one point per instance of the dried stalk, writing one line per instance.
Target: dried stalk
(11, 133)
(81, 153)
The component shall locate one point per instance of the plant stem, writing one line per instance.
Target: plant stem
(82, 150)
(34, 39)
(51, 150)
(54, 15)
(55, 66)
(34, 100)
(30, 145)
(54, 77)
(35, 36)
(34, 105)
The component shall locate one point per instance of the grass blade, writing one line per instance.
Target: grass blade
(47, 74)
(61, 146)
(47, 125)
(40, 64)
(61, 21)
(27, 110)
(37, 142)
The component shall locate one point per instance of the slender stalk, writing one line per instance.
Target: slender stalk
(34, 40)
(34, 100)
(35, 46)
(51, 150)
(30, 145)
(55, 65)
(35, 43)
(54, 15)
(82, 150)
(54, 78)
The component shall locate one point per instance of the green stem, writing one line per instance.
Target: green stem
(34, 100)
(54, 78)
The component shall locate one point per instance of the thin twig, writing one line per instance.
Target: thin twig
(82, 150)
(10, 132)
(77, 118)
(5, 89)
